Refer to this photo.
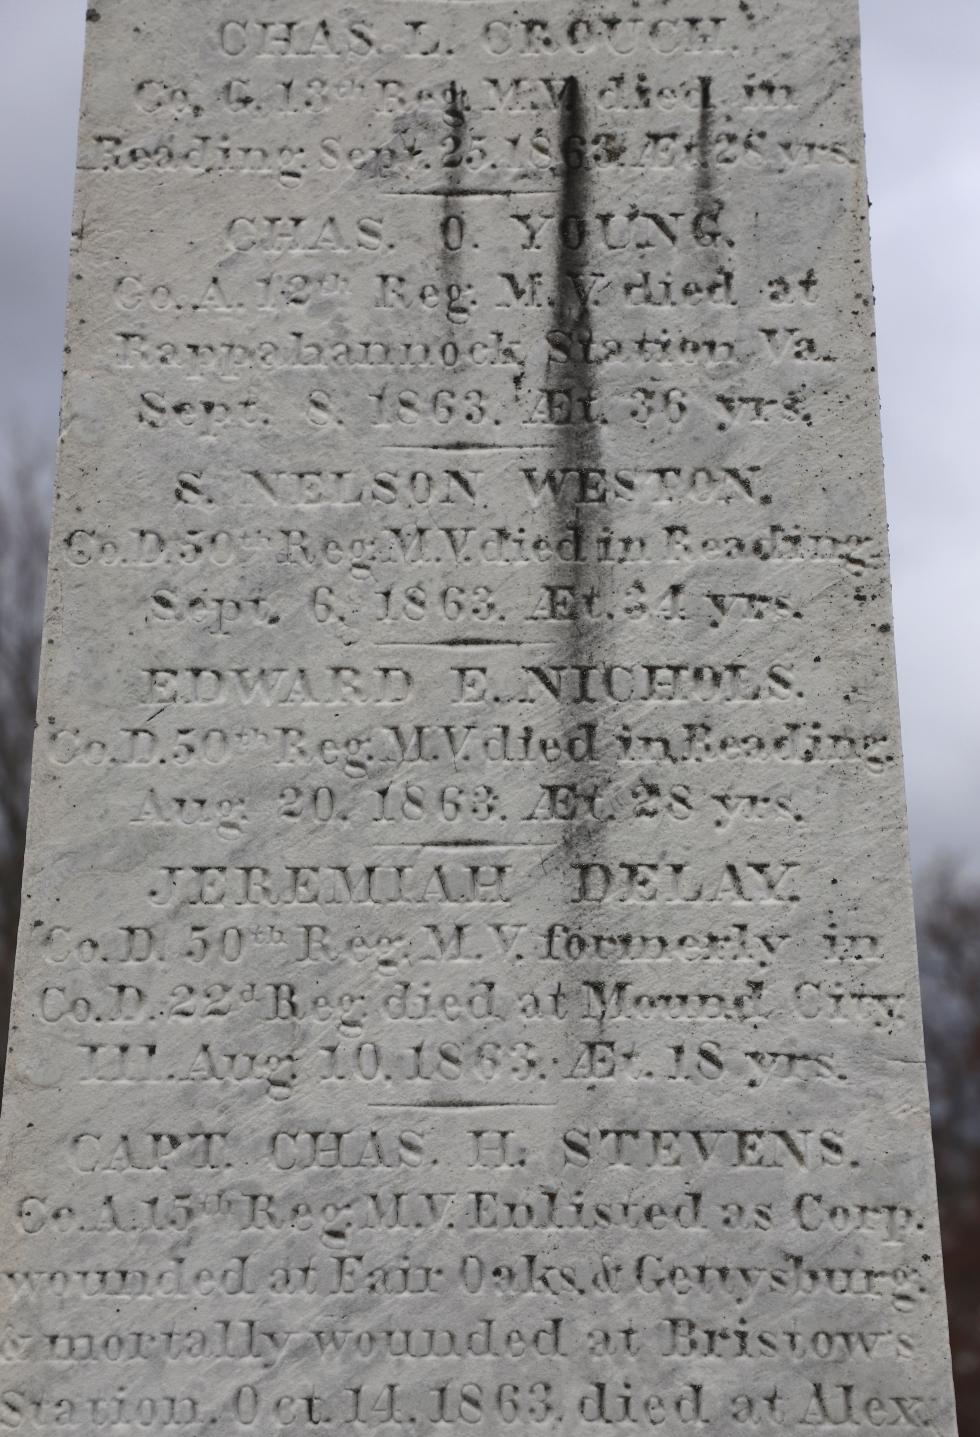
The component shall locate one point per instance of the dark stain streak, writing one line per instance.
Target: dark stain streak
(577, 445)
(705, 179)
(585, 638)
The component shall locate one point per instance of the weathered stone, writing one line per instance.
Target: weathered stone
(467, 972)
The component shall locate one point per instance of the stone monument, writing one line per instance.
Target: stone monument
(467, 976)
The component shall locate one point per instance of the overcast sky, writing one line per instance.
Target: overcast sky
(922, 97)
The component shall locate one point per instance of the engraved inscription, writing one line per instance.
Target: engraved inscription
(466, 979)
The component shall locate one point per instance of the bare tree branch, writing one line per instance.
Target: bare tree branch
(948, 915)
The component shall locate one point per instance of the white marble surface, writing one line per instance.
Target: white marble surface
(467, 969)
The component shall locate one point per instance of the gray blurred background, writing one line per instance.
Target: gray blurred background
(922, 99)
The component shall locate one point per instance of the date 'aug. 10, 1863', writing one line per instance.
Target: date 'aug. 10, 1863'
(467, 976)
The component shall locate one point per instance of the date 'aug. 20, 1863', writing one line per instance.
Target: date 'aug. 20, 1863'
(466, 977)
